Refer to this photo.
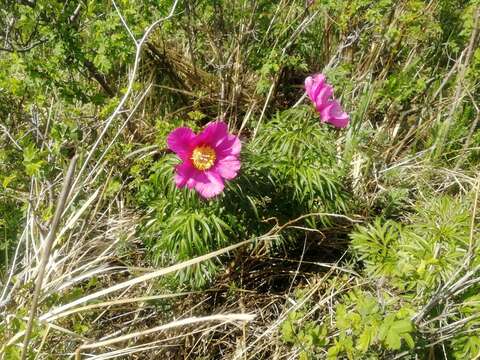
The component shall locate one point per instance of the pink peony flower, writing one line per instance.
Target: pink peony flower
(207, 158)
(321, 95)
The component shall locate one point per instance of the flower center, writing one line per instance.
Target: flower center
(203, 157)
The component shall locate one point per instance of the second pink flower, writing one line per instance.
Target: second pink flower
(327, 106)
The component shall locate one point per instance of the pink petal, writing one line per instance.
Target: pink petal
(213, 134)
(323, 97)
(309, 82)
(313, 84)
(228, 167)
(231, 145)
(325, 113)
(208, 183)
(184, 175)
(340, 122)
(180, 141)
(236, 146)
(333, 114)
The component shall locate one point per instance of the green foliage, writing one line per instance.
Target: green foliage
(296, 158)
(13, 326)
(308, 336)
(377, 245)
(369, 328)
(11, 217)
(406, 263)
(11, 209)
(419, 255)
(32, 161)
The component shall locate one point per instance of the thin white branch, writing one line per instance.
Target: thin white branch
(125, 23)
(11, 137)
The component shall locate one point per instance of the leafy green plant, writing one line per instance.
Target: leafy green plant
(377, 245)
(290, 169)
(308, 336)
(369, 328)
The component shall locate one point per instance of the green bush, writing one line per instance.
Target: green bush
(406, 263)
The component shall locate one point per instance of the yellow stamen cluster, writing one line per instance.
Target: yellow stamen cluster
(203, 157)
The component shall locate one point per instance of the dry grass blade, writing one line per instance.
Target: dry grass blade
(46, 252)
(114, 302)
(184, 322)
(150, 276)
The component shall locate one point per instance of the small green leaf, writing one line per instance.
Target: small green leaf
(366, 338)
(288, 332)
(409, 340)
(402, 326)
(333, 351)
(393, 340)
(7, 180)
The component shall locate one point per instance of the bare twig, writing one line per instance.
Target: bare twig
(10, 137)
(139, 45)
(25, 48)
(125, 23)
